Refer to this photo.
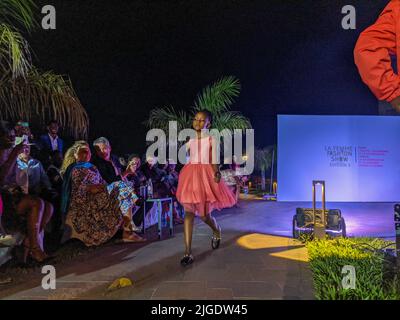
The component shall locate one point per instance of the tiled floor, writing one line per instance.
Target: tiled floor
(256, 260)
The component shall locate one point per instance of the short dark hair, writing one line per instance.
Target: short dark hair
(134, 155)
(207, 113)
(52, 121)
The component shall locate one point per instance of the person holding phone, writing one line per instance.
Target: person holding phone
(23, 133)
(22, 213)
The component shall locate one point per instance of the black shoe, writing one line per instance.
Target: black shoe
(186, 260)
(216, 240)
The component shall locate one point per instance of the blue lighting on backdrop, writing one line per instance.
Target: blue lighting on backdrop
(357, 156)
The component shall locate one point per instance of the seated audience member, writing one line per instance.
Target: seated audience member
(164, 182)
(138, 180)
(232, 180)
(152, 171)
(31, 176)
(4, 237)
(22, 213)
(171, 177)
(171, 180)
(111, 171)
(23, 132)
(53, 171)
(93, 213)
(33, 180)
(136, 176)
(107, 163)
(123, 160)
(50, 141)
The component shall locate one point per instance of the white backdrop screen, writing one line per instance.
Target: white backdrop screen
(357, 156)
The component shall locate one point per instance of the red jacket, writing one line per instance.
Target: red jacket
(373, 50)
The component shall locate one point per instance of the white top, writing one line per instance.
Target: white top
(54, 142)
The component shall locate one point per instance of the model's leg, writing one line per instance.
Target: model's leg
(138, 214)
(188, 234)
(128, 234)
(47, 214)
(216, 238)
(127, 217)
(212, 223)
(33, 208)
(188, 231)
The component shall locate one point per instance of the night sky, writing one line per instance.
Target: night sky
(127, 57)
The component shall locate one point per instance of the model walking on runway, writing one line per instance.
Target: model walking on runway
(200, 189)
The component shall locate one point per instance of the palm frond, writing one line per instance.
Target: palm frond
(219, 96)
(45, 95)
(216, 98)
(14, 52)
(18, 11)
(262, 158)
(159, 118)
(230, 120)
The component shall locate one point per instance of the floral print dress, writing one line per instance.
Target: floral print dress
(126, 195)
(93, 218)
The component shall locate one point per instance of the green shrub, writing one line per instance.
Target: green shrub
(375, 279)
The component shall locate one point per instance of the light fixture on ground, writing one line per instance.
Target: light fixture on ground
(318, 222)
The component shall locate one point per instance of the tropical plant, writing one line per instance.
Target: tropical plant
(160, 117)
(216, 98)
(26, 92)
(14, 49)
(262, 163)
(375, 277)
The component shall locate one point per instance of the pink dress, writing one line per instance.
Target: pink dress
(197, 191)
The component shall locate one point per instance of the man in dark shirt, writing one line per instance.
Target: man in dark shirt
(108, 165)
(50, 141)
(111, 170)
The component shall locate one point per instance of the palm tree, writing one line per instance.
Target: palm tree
(26, 92)
(262, 163)
(216, 98)
(14, 50)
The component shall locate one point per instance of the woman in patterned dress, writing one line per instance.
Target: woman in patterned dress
(94, 211)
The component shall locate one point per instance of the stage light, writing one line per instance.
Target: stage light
(290, 249)
(274, 188)
(298, 254)
(255, 241)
